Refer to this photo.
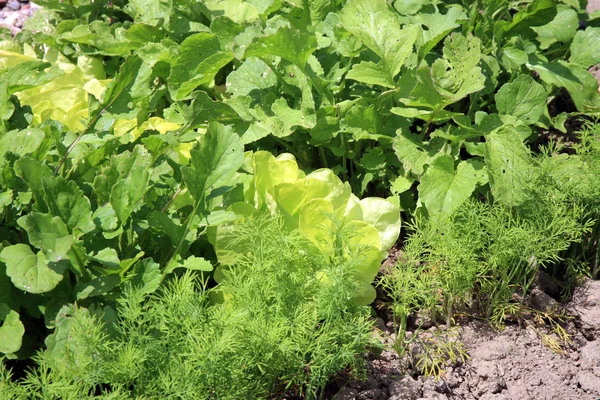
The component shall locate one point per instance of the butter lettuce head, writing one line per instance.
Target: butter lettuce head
(322, 208)
(64, 98)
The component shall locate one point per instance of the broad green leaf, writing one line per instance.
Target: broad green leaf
(200, 59)
(585, 48)
(152, 12)
(508, 163)
(561, 29)
(319, 9)
(96, 287)
(385, 217)
(153, 53)
(288, 43)
(214, 160)
(140, 35)
(523, 98)
(438, 26)
(413, 153)
(457, 74)
(513, 58)
(443, 189)
(57, 342)
(226, 31)
(127, 192)
(66, 201)
(400, 185)
(238, 11)
(11, 330)
(126, 166)
(197, 264)
(425, 115)
(203, 109)
(119, 93)
(537, 13)
(98, 34)
(21, 143)
(32, 172)
(253, 78)
(364, 121)
(106, 218)
(47, 233)
(107, 257)
(417, 89)
(409, 7)
(125, 196)
(31, 272)
(147, 276)
(379, 29)
(581, 85)
(370, 73)
(161, 222)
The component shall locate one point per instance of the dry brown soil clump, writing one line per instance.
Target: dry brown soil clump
(514, 364)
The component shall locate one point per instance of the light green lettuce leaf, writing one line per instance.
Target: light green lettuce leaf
(316, 223)
(384, 217)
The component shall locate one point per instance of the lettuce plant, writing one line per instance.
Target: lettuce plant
(322, 208)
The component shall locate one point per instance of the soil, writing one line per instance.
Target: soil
(515, 363)
(13, 14)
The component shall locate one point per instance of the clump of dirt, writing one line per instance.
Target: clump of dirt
(523, 361)
(14, 13)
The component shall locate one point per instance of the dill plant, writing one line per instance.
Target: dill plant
(281, 320)
(488, 250)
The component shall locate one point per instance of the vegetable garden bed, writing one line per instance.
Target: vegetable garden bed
(197, 197)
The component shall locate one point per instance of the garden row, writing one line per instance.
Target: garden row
(196, 197)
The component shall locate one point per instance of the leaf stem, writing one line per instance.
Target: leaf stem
(188, 222)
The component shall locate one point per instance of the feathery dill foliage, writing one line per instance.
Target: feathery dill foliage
(280, 320)
(487, 251)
